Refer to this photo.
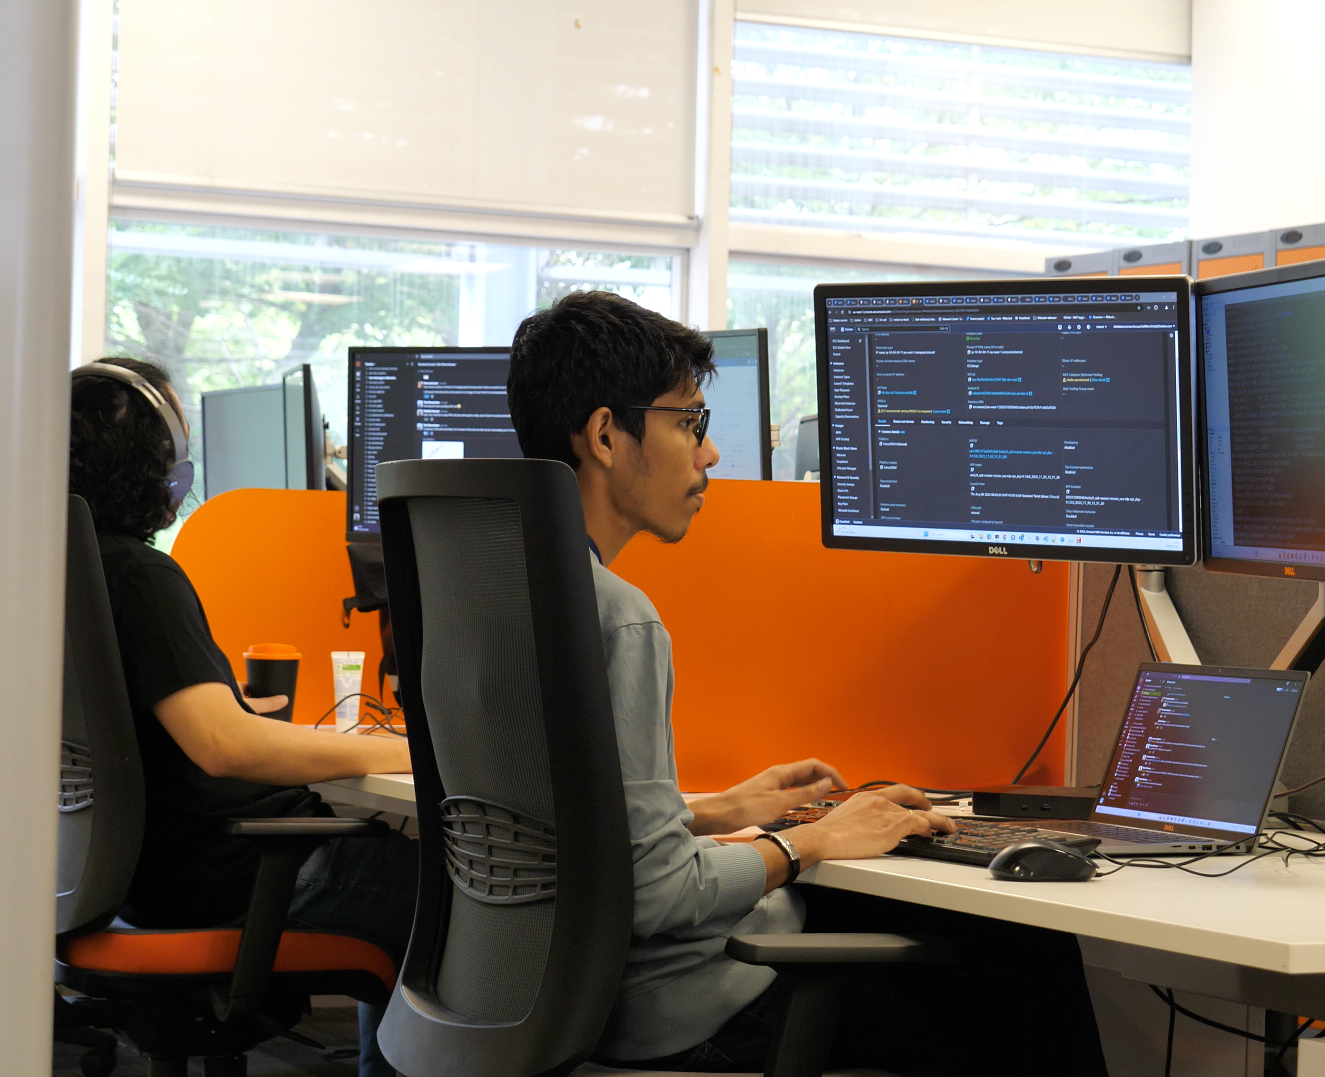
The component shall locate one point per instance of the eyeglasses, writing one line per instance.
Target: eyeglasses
(701, 427)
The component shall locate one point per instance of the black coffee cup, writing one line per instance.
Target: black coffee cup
(273, 670)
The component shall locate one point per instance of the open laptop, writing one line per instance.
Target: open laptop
(1193, 769)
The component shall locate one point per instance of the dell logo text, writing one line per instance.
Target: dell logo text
(1002, 550)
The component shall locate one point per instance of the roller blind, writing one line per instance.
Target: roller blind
(871, 133)
(537, 106)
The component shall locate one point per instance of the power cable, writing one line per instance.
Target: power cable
(1076, 679)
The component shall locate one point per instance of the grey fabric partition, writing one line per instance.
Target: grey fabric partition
(1232, 620)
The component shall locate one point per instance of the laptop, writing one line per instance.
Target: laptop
(1192, 771)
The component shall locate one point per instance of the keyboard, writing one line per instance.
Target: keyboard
(978, 842)
(1107, 832)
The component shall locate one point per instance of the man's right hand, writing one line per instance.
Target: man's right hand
(867, 825)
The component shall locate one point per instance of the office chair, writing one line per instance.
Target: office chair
(526, 886)
(175, 993)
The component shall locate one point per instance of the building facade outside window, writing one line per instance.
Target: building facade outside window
(895, 134)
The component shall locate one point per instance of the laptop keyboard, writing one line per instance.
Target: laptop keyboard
(1108, 832)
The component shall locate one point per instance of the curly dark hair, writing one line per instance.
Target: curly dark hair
(591, 350)
(120, 452)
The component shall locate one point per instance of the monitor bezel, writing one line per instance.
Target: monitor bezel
(1021, 551)
(1236, 282)
(765, 403)
(1301, 676)
(351, 391)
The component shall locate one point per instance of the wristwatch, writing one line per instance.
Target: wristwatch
(793, 857)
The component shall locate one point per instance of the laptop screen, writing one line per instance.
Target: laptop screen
(1199, 749)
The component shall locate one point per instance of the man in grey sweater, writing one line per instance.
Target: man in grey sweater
(615, 391)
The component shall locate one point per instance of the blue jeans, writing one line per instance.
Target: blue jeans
(364, 887)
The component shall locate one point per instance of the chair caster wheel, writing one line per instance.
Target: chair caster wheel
(98, 1063)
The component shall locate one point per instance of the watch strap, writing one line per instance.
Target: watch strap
(793, 857)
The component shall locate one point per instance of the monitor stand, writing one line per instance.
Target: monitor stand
(1306, 646)
(1167, 632)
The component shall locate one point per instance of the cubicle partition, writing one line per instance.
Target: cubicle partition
(936, 670)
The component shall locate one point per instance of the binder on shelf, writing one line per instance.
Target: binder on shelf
(1090, 264)
(1154, 259)
(1221, 255)
(1305, 243)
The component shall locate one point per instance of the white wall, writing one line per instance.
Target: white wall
(1258, 110)
(38, 40)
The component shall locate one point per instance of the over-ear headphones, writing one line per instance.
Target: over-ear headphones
(180, 479)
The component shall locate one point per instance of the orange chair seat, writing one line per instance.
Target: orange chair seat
(176, 953)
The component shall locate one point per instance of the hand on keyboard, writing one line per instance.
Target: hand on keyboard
(866, 825)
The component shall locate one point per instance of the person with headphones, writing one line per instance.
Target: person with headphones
(207, 752)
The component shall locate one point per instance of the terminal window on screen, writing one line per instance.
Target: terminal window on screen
(1022, 418)
(1276, 401)
(1199, 748)
(424, 405)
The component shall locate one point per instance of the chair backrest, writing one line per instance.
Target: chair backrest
(525, 892)
(101, 797)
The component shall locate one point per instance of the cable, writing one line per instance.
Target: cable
(1141, 613)
(1291, 1041)
(1270, 843)
(1166, 997)
(376, 710)
(1173, 1020)
(1071, 688)
(1304, 785)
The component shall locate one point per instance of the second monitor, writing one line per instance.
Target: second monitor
(421, 403)
(1023, 418)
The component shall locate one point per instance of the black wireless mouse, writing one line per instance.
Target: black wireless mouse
(1039, 860)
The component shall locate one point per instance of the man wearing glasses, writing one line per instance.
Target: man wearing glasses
(616, 391)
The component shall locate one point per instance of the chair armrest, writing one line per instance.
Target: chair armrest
(283, 846)
(316, 827)
(828, 948)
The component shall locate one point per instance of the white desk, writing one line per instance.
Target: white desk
(1256, 937)
(377, 792)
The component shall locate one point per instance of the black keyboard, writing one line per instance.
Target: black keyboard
(977, 842)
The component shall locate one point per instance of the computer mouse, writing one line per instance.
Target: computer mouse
(1039, 860)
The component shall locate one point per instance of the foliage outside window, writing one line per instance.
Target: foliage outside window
(226, 307)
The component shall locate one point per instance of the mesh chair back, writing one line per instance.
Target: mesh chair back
(525, 898)
(101, 797)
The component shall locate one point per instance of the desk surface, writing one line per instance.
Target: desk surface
(1266, 916)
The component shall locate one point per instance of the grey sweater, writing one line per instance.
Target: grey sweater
(690, 893)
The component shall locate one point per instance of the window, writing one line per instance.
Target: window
(888, 134)
(781, 298)
(223, 307)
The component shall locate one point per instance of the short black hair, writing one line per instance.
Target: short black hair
(120, 452)
(592, 350)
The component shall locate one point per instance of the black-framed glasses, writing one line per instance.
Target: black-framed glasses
(701, 427)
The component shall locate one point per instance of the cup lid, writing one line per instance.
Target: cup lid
(283, 651)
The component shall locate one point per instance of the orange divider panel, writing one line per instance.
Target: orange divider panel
(1292, 257)
(936, 670)
(270, 567)
(1222, 267)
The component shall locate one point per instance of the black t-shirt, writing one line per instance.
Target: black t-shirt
(189, 873)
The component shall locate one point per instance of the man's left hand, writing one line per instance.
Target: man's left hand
(766, 796)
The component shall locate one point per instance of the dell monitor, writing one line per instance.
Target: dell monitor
(421, 403)
(737, 395)
(1261, 346)
(1014, 418)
